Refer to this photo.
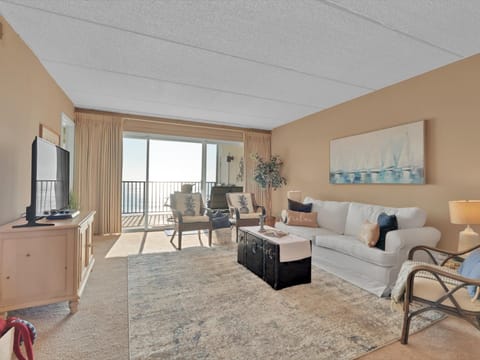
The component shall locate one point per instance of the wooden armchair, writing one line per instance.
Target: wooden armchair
(439, 288)
(189, 213)
(244, 210)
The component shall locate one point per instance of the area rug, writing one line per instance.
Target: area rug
(199, 303)
(169, 232)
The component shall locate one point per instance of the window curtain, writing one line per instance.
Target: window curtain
(255, 143)
(98, 169)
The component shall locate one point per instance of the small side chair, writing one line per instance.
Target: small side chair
(189, 213)
(436, 287)
(244, 210)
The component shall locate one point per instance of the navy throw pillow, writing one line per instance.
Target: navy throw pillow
(386, 223)
(220, 220)
(298, 206)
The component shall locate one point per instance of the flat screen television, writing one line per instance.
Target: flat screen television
(49, 180)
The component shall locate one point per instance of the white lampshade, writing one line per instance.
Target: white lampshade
(465, 212)
(295, 195)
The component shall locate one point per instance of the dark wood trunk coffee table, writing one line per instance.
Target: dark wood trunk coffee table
(279, 261)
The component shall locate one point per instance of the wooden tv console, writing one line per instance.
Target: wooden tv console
(47, 264)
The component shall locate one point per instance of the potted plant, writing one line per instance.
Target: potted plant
(267, 176)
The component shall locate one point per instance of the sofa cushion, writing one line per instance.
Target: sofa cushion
(298, 206)
(331, 214)
(302, 231)
(300, 218)
(407, 218)
(351, 246)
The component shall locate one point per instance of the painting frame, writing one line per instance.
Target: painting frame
(393, 155)
(49, 134)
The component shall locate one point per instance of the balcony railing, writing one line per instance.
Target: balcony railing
(133, 200)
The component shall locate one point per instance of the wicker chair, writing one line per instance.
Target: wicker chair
(189, 213)
(443, 290)
(244, 210)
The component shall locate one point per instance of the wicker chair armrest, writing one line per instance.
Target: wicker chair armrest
(237, 213)
(430, 250)
(262, 208)
(178, 216)
(207, 211)
(434, 270)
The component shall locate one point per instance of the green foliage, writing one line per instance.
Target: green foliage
(267, 172)
(73, 201)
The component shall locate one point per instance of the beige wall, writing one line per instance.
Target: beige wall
(28, 97)
(449, 98)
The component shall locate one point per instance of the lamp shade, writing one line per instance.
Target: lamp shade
(464, 212)
(295, 195)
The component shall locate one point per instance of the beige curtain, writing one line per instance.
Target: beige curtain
(255, 143)
(98, 168)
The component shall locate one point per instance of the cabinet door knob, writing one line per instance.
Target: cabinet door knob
(8, 277)
(28, 255)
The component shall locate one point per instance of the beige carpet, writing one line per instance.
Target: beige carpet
(100, 328)
(201, 304)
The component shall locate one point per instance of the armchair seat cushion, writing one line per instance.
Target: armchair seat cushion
(196, 219)
(255, 215)
(431, 290)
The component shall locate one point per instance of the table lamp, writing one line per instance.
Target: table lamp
(465, 212)
(295, 195)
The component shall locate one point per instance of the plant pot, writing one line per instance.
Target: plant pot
(270, 221)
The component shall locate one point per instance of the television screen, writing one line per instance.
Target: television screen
(51, 178)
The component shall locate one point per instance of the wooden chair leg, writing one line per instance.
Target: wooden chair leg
(199, 236)
(406, 323)
(236, 234)
(180, 240)
(171, 239)
(210, 237)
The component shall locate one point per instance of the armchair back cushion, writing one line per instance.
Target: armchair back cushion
(241, 201)
(187, 204)
(330, 214)
(407, 218)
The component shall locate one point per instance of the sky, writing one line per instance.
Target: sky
(169, 160)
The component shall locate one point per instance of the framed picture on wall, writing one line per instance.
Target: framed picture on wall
(49, 134)
(389, 156)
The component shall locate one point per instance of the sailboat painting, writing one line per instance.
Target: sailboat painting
(389, 156)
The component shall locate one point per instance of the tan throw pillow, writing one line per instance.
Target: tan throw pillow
(301, 218)
(369, 233)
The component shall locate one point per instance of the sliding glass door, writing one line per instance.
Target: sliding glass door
(153, 168)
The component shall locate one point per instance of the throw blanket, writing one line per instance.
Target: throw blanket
(398, 290)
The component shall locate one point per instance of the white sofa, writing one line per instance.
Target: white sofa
(337, 249)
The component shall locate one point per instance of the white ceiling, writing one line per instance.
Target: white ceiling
(250, 63)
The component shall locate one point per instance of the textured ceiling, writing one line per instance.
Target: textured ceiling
(248, 63)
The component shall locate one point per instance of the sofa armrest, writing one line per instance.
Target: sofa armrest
(402, 240)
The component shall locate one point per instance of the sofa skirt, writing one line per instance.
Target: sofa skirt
(376, 279)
